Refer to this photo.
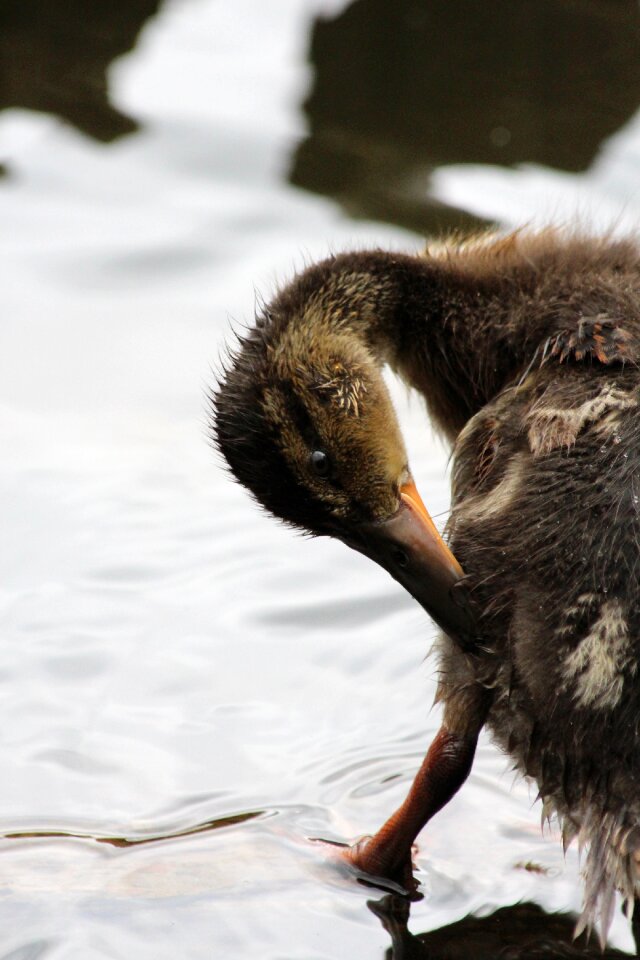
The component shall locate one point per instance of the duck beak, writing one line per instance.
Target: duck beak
(410, 548)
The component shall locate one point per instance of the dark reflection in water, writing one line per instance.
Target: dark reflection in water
(401, 88)
(54, 57)
(521, 932)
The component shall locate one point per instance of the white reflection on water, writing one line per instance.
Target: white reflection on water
(604, 197)
(170, 656)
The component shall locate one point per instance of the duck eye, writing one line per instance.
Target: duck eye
(320, 463)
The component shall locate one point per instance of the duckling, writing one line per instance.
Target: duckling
(525, 348)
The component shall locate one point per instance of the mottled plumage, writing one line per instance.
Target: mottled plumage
(549, 533)
(526, 351)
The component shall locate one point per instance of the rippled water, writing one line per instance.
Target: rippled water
(189, 692)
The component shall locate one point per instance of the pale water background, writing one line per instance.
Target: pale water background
(174, 664)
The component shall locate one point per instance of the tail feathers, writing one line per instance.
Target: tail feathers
(611, 864)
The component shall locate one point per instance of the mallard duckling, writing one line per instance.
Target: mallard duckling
(526, 350)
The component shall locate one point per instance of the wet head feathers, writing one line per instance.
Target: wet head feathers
(306, 380)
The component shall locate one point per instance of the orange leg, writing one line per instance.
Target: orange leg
(443, 771)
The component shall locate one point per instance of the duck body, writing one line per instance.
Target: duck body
(546, 515)
(546, 522)
(526, 351)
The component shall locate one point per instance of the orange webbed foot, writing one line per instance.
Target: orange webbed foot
(365, 859)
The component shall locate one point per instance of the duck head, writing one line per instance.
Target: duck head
(304, 420)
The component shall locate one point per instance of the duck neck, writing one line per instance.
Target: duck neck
(439, 329)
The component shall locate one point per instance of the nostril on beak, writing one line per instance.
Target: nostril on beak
(400, 557)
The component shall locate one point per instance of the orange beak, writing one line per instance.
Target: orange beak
(410, 496)
(410, 548)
